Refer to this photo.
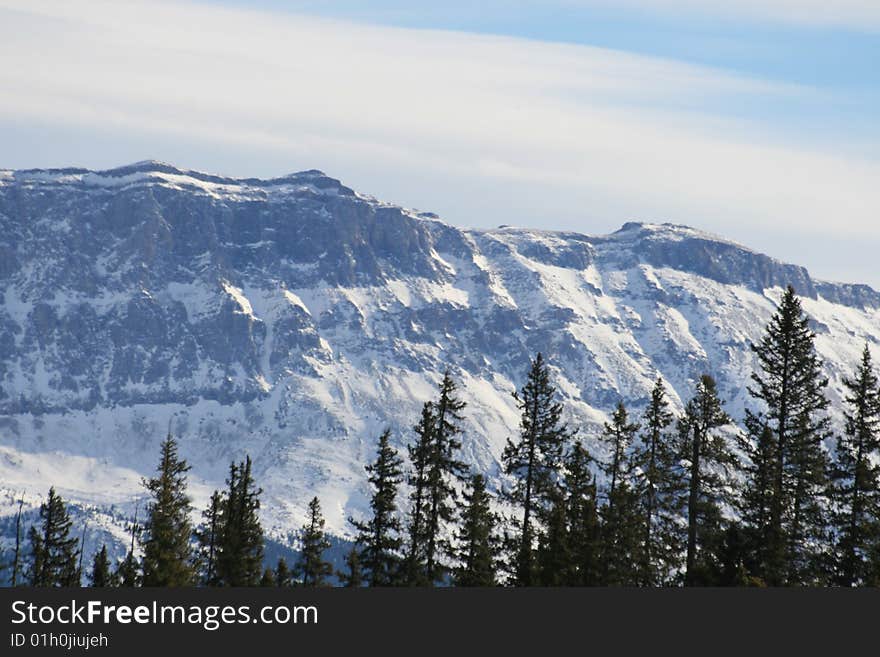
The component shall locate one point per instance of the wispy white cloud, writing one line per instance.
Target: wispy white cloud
(481, 128)
(855, 14)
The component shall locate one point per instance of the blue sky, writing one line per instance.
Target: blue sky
(756, 120)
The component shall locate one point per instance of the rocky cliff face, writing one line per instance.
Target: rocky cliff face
(293, 319)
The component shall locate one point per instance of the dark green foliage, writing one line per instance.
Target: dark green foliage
(790, 386)
(618, 436)
(283, 576)
(101, 576)
(379, 538)
(207, 535)
(731, 561)
(54, 552)
(268, 578)
(352, 577)
(621, 537)
(659, 484)
(757, 499)
(239, 550)
(168, 558)
(621, 534)
(312, 570)
(16, 553)
(435, 469)
(583, 538)
(477, 543)
(553, 556)
(128, 573)
(419, 456)
(533, 461)
(444, 468)
(855, 478)
(709, 465)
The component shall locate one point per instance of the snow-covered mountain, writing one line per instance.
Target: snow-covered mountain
(293, 319)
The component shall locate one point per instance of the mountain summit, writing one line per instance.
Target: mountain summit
(294, 319)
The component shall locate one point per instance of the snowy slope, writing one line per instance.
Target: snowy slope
(293, 319)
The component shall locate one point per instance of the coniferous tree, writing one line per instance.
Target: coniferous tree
(16, 554)
(757, 499)
(553, 556)
(620, 530)
(856, 477)
(36, 568)
(379, 538)
(709, 462)
(283, 576)
(873, 578)
(54, 551)
(478, 549)
(790, 387)
(618, 436)
(312, 569)
(352, 577)
(127, 573)
(583, 540)
(168, 558)
(533, 461)
(733, 559)
(659, 485)
(268, 578)
(239, 548)
(101, 576)
(444, 469)
(419, 456)
(207, 535)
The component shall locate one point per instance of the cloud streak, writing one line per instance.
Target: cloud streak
(484, 129)
(854, 14)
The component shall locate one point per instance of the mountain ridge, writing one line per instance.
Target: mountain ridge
(294, 319)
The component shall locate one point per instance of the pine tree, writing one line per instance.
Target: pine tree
(312, 570)
(283, 576)
(444, 469)
(127, 573)
(757, 499)
(239, 547)
(101, 576)
(36, 570)
(54, 551)
(533, 462)
(618, 436)
(553, 556)
(207, 536)
(709, 465)
(81, 551)
(856, 477)
(873, 578)
(268, 578)
(168, 558)
(419, 456)
(732, 559)
(660, 488)
(583, 541)
(478, 548)
(620, 530)
(790, 387)
(379, 538)
(353, 577)
(16, 554)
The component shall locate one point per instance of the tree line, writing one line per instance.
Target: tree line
(687, 500)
